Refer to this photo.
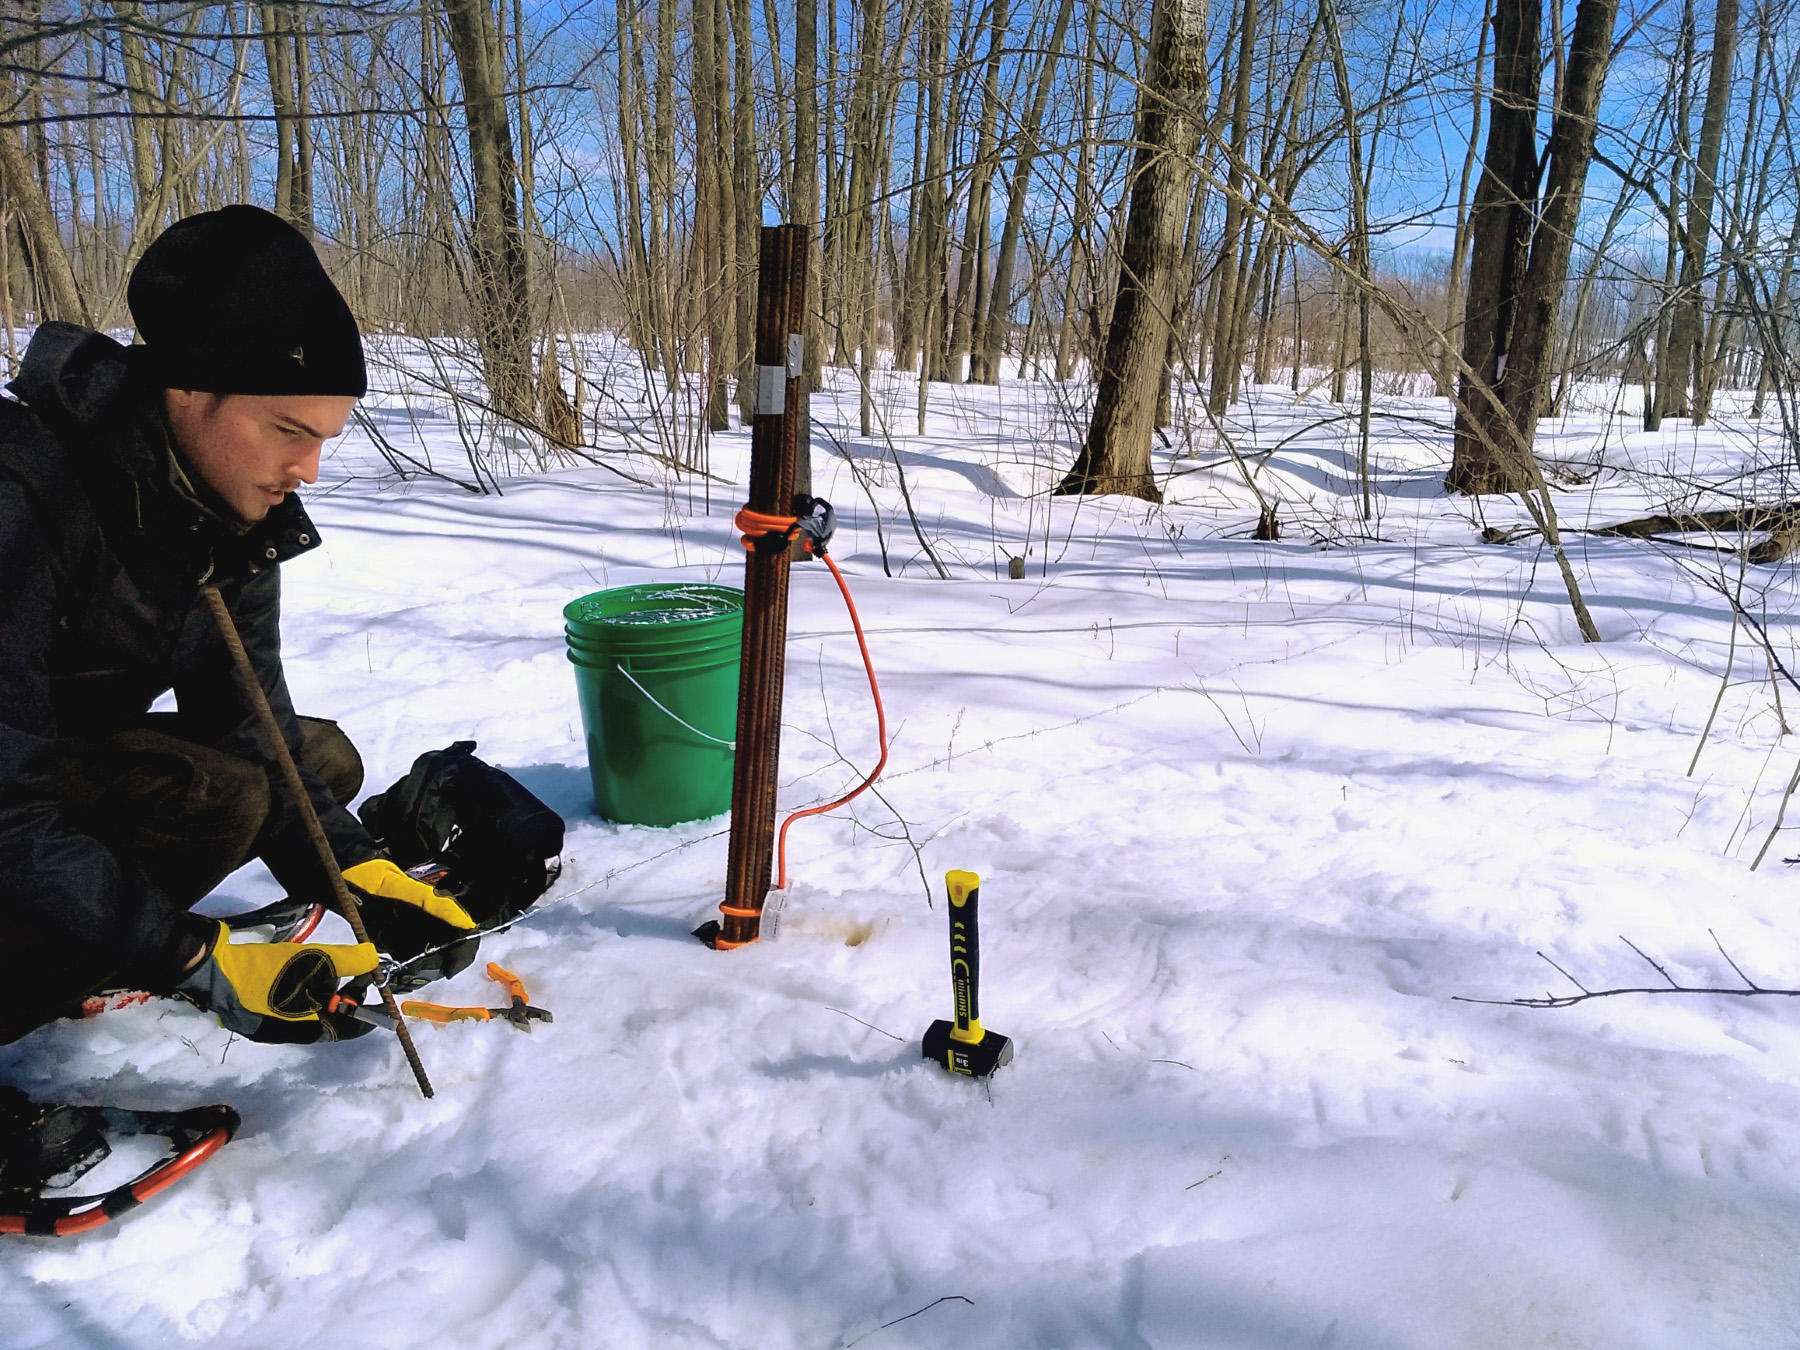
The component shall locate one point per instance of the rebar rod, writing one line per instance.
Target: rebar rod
(296, 790)
(780, 319)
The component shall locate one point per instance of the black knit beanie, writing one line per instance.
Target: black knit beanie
(235, 301)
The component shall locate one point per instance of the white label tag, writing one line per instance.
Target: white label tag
(771, 391)
(796, 355)
(774, 906)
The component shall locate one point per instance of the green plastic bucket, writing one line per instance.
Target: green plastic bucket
(656, 669)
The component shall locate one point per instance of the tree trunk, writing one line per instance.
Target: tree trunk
(1743, 221)
(973, 283)
(663, 224)
(1359, 251)
(303, 134)
(804, 197)
(746, 177)
(986, 363)
(1685, 326)
(146, 174)
(859, 262)
(714, 226)
(497, 243)
(934, 227)
(1116, 456)
(1459, 249)
(1671, 384)
(1224, 374)
(59, 295)
(1081, 247)
(1777, 323)
(1484, 457)
(636, 282)
(1570, 152)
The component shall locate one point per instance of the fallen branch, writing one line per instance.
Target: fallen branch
(1782, 522)
(1751, 988)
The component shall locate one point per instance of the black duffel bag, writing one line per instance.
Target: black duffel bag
(472, 831)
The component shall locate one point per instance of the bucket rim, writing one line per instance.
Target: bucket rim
(719, 603)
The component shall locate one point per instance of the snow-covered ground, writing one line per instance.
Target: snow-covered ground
(1250, 817)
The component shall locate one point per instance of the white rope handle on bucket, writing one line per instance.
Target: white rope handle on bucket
(729, 745)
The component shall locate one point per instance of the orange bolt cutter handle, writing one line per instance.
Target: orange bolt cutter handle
(514, 986)
(437, 1012)
(521, 1014)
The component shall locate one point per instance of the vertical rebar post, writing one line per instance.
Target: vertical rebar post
(780, 320)
(302, 803)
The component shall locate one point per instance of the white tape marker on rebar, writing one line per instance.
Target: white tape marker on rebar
(771, 391)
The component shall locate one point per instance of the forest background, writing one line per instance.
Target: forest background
(1494, 201)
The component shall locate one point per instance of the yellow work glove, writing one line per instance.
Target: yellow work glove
(278, 991)
(381, 878)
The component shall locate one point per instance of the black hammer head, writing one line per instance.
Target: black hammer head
(977, 1059)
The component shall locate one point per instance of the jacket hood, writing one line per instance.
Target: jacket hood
(95, 397)
(80, 383)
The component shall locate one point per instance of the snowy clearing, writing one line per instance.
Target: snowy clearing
(1247, 815)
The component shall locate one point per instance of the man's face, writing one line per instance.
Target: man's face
(254, 449)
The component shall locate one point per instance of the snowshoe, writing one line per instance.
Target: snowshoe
(287, 920)
(46, 1149)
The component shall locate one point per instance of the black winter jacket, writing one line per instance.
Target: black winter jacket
(105, 543)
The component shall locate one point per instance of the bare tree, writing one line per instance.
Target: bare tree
(1685, 327)
(497, 243)
(1116, 455)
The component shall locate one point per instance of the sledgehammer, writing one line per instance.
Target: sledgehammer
(963, 1046)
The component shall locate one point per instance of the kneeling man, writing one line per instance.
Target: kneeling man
(131, 478)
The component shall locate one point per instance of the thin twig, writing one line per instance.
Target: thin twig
(947, 1298)
(1657, 967)
(1780, 815)
(1751, 990)
(1725, 682)
(870, 1025)
(1565, 974)
(1733, 964)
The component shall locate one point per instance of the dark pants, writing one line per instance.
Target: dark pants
(187, 814)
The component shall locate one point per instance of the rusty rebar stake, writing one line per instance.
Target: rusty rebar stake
(780, 322)
(296, 790)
